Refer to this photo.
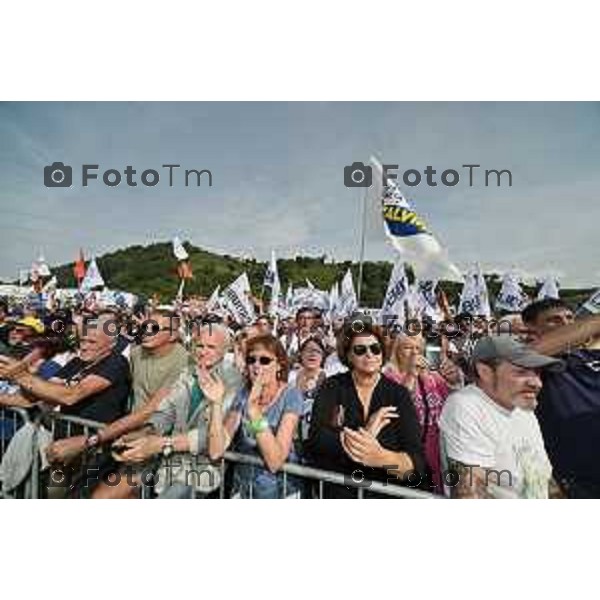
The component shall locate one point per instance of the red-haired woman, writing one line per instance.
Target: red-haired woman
(265, 413)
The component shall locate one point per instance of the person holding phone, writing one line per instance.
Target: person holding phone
(430, 376)
(364, 425)
(265, 415)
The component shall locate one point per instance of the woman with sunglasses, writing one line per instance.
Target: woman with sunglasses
(363, 424)
(265, 414)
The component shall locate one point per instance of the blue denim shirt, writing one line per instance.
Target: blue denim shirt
(258, 482)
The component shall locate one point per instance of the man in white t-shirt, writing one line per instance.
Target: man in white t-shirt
(491, 440)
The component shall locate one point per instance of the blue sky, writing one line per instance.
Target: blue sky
(278, 179)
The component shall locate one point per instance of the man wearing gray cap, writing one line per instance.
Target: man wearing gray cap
(491, 440)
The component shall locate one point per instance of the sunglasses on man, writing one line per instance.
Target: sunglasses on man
(361, 349)
(262, 360)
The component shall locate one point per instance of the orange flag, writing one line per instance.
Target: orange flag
(79, 267)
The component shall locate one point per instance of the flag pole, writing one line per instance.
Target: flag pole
(362, 243)
(179, 296)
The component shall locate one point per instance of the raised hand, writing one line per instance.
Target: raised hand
(450, 372)
(255, 408)
(212, 386)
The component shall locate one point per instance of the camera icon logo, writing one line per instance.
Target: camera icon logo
(58, 175)
(358, 175)
(356, 480)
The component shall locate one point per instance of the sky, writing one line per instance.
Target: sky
(277, 180)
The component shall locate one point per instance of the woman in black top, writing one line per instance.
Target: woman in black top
(364, 425)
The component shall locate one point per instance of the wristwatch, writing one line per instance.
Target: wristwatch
(168, 447)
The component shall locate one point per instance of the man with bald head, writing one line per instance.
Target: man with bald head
(180, 424)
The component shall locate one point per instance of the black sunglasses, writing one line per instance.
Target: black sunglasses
(361, 349)
(262, 360)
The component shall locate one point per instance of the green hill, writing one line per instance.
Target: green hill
(146, 270)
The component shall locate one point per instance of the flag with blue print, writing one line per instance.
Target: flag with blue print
(271, 279)
(409, 234)
(511, 297)
(549, 289)
(474, 299)
(395, 295)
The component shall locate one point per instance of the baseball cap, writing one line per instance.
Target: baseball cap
(506, 347)
(32, 323)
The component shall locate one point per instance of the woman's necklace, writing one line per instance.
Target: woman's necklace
(306, 380)
(269, 396)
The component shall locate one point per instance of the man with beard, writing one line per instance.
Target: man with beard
(491, 440)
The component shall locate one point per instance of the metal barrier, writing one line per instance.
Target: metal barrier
(38, 418)
(318, 478)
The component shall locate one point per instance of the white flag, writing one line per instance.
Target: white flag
(474, 298)
(24, 275)
(289, 296)
(178, 250)
(334, 299)
(213, 302)
(510, 297)
(310, 298)
(549, 289)
(271, 276)
(413, 306)
(591, 306)
(426, 300)
(395, 295)
(92, 277)
(42, 267)
(348, 300)
(237, 299)
(34, 272)
(272, 281)
(408, 234)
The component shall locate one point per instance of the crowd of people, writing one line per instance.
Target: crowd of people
(487, 412)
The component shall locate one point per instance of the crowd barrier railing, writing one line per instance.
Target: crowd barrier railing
(317, 478)
(321, 477)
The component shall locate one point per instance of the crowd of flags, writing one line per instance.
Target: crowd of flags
(413, 242)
